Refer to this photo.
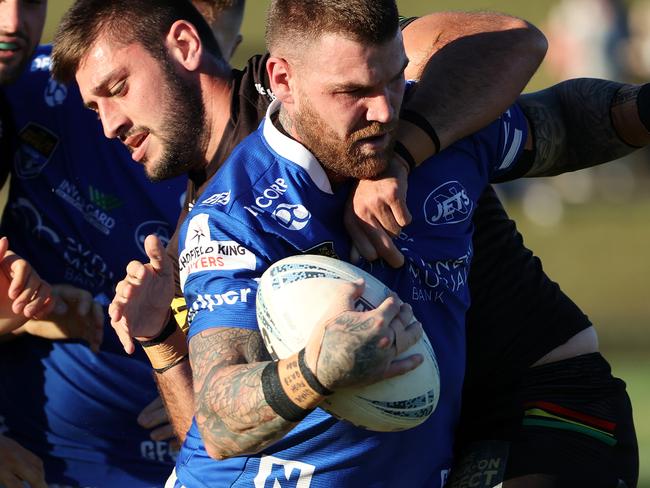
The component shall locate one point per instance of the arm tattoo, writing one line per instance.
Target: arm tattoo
(347, 355)
(231, 412)
(572, 127)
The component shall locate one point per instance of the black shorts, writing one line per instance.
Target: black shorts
(570, 425)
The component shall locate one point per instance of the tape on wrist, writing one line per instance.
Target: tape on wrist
(421, 122)
(643, 105)
(164, 355)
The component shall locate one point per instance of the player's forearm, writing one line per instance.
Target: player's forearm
(239, 392)
(583, 122)
(472, 79)
(233, 415)
(175, 386)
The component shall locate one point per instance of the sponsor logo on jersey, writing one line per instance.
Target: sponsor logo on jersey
(210, 302)
(158, 227)
(92, 213)
(274, 471)
(214, 256)
(42, 62)
(201, 253)
(483, 464)
(217, 199)
(448, 204)
(292, 217)
(158, 451)
(84, 267)
(103, 200)
(432, 280)
(36, 144)
(268, 197)
(55, 93)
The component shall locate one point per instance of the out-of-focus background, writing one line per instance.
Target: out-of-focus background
(591, 228)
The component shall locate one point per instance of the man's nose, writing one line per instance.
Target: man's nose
(113, 121)
(11, 16)
(380, 108)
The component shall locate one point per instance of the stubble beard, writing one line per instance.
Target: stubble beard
(342, 158)
(182, 132)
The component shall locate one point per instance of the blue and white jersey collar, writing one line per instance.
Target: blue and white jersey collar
(293, 151)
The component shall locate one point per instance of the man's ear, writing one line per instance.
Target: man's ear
(280, 78)
(184, 44)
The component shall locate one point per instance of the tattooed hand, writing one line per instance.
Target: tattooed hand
(360, 348)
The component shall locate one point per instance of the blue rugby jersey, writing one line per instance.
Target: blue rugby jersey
(272, 199)
(79, 209)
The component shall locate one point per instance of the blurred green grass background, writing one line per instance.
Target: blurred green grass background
(598, 252)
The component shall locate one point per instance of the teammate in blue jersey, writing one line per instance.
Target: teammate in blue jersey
(73, 196)
(59, 399)
(61, 202)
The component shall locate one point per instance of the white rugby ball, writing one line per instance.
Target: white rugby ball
(294, 295)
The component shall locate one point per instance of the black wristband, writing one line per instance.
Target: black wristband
(401, 150)
(169, 329)
(276, 398)
(310, 377)
(643, 105)
(417, 119)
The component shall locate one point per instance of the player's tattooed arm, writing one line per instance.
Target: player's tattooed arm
(581, 123)
(231, 412)
(351, 348)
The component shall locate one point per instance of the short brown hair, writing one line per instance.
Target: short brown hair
(144, 21)
(294, 22)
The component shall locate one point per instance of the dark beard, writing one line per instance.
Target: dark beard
(342, 159)
(182, 132)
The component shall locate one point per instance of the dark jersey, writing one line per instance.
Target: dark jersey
(518, 314)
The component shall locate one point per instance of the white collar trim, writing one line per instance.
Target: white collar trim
(293, 151)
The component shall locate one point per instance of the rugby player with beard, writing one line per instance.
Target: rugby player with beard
(115, 438)
(560, 329)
